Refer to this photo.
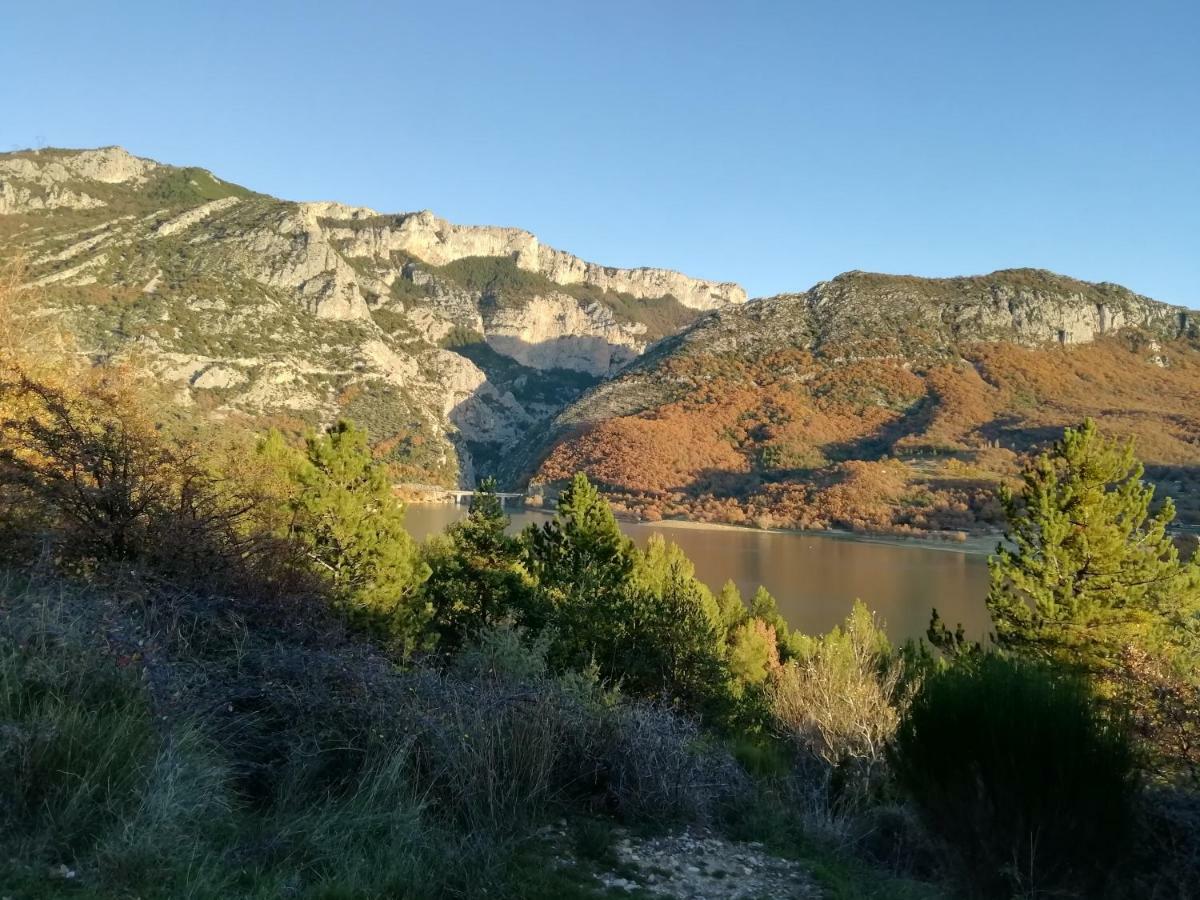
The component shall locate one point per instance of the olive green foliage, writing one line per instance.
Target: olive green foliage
(476, 579)
(730, 605)
(841, 698)
(352, 528)
(1091, 568)
(496, 277)
(1018, 773)
(640, 617)
(189, 186)
(752, 653)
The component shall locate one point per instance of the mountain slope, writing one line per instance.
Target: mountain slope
(451, 343)
(870, 401)
(882, 402)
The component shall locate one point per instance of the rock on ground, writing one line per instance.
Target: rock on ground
(697, 865)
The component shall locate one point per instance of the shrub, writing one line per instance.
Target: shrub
(660, 768)
(1163, 700)
(84, 468)
(842, 700)
(1017, 772)
(1167, 846)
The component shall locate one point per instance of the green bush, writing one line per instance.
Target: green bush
(1017, 772)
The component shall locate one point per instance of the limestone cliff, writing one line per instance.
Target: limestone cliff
(450, 342)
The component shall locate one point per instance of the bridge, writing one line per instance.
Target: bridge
(458, 496)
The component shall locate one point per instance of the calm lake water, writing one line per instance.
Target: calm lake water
(815, 578)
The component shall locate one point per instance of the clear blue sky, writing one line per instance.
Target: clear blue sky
(775, 144)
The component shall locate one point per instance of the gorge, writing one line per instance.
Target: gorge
(876, 403)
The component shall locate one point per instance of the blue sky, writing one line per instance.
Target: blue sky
(774, 144)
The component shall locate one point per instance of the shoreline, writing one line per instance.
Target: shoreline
(974, 545)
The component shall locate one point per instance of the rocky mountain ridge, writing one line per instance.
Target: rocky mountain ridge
(450, 341)
(884, 403)
(469, 349)
(861, 315)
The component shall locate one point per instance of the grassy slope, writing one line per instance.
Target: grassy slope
(229, 759)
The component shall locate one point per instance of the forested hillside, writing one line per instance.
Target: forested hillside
(884, 403)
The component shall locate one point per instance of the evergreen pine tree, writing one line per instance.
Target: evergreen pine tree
(731, 605)
(352, 529)
(583, 567)
(476, 578)
(1090, 568)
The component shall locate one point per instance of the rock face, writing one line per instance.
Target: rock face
(439, 242)
(450, 342)
(557, 332)
(869, 314)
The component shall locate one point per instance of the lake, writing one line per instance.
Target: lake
(815, 578)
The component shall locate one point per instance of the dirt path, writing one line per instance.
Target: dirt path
(696, 865)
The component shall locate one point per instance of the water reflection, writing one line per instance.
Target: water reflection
(815, 578)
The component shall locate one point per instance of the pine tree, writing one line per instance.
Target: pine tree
(671, 645)
(352, 529)
(765, 608)
(731, 605)
(476, 579)
(663, 563)
(1090, 568)
(581, 551)
(583, 567)
(641, 618)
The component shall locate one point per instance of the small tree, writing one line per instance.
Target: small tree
(1091, 568)
(639, 617)
(352, 529)
(476, 578)
(731, 605)
(842, 700)
(582, 565)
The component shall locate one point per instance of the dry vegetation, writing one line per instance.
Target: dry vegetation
(789, 440)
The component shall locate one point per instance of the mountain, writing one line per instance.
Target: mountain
(450, 343)
(885, 403)
(871, 402)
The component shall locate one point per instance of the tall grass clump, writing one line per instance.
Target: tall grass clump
(1016, 770)
(75, 739)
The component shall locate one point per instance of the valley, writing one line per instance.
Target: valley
(870, 403)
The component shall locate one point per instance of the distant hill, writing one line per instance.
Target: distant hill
(885, 403)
